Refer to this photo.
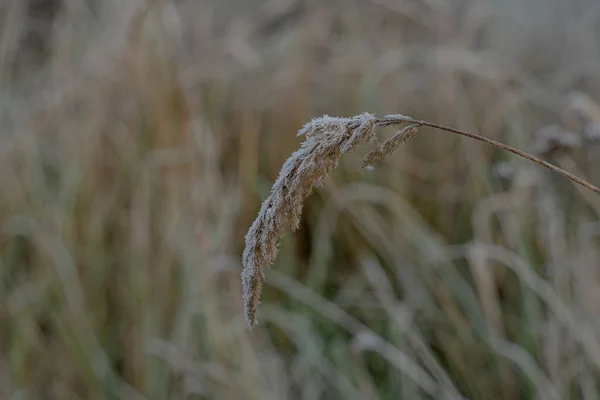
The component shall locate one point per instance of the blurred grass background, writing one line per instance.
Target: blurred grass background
(138, 139)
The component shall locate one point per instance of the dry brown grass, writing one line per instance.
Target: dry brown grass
(327, 140)
(138, 140)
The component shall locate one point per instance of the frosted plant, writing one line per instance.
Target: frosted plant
(390, 145)
(327, 139)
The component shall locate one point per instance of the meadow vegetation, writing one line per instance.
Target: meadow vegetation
(138, 140)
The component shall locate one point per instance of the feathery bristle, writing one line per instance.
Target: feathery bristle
(390, 145)
(327, 139)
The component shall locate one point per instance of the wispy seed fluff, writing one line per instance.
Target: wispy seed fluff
(327, 139)
(390, 145)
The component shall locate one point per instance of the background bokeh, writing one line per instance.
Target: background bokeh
(138, 139)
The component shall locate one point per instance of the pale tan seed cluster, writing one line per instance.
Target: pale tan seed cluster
(390, 145)
(327, 139)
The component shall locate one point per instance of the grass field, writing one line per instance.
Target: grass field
(138, 140)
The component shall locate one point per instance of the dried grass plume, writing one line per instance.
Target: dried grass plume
(390, 145)
(327, 140)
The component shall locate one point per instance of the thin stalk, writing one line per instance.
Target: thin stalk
(394, 120)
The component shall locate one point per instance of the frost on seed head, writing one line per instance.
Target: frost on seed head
(389, 146)
(327, 139)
